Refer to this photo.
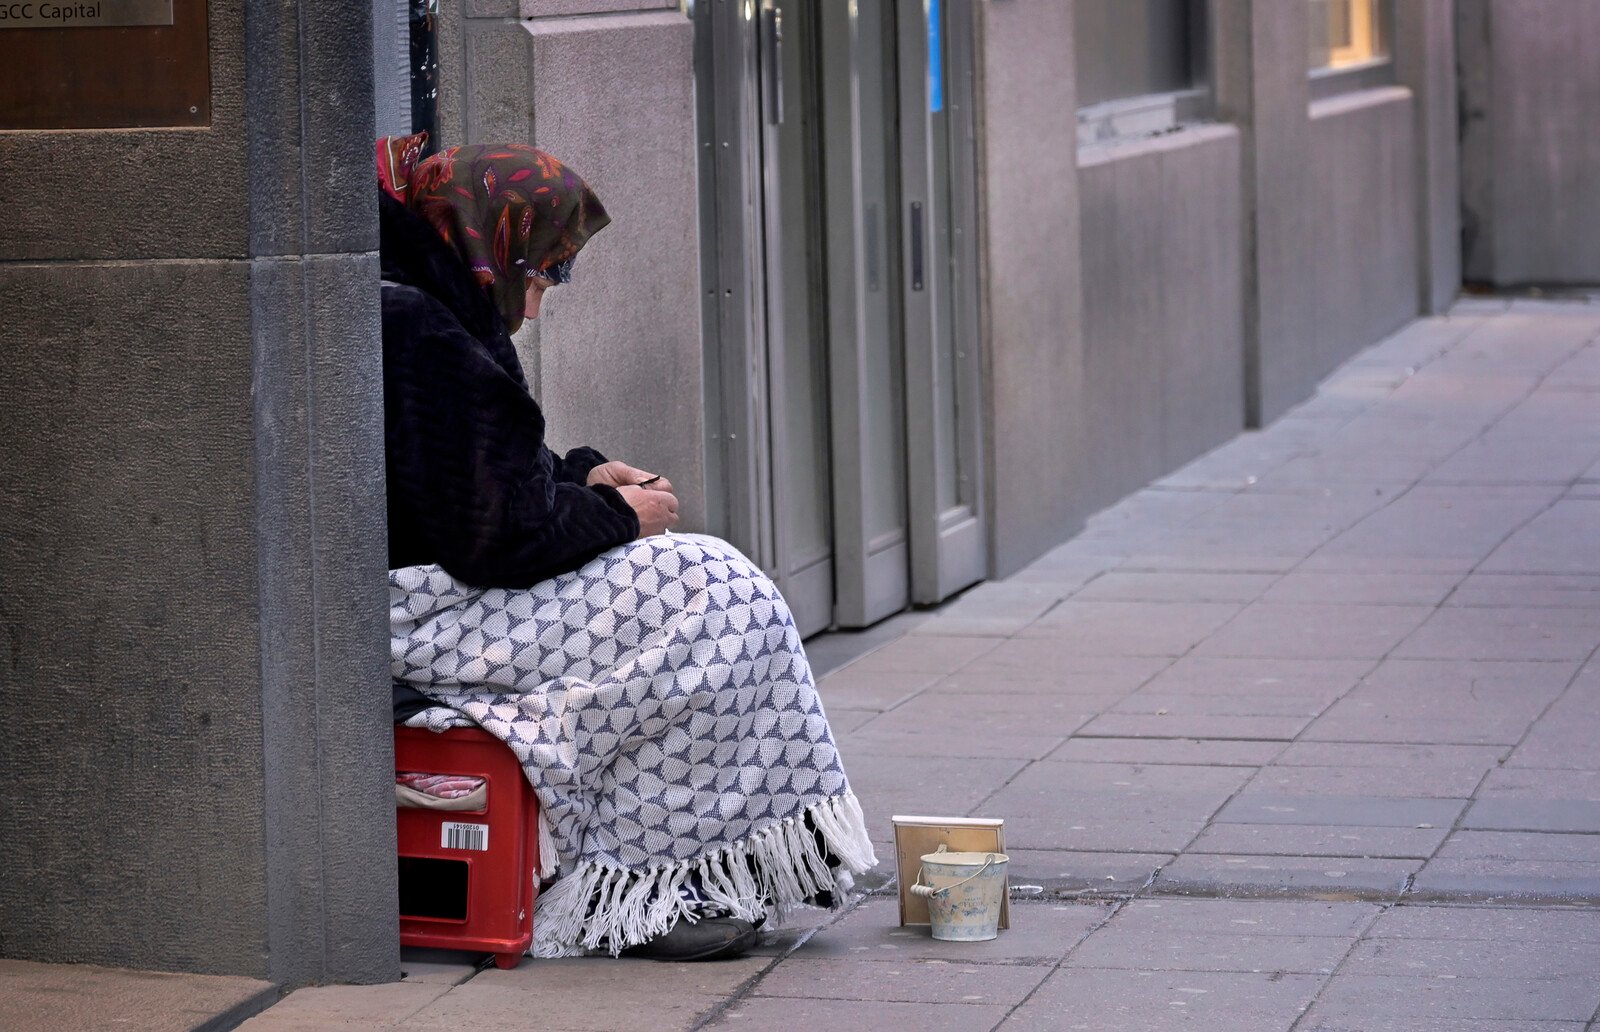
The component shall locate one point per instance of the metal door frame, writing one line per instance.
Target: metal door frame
(948, 548)
(872, 570)
(733, 302)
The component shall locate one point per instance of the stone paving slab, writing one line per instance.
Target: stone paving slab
(760, 1014)
(1564, 736)
(1322, 919)
(875, 690)
(1546, 544)
(1192, 725)
(996, 717)
(1581, 591)
(1041, 933)
(1065, 872)
(69, 997)
(1175, 586)
(1362, 998)
(1092, 998)
(1294, 630)
(1391, 756)
(1253, 807)
(1317, 1020)
(1324, 680)
(349, 1005)
(888, 785)
(1418, 781)
(1520, 880)
(1131, 628)
(1501, 634)
(1165, 949)
(438, 967)
(1517, 846)
(1542, 784)
(1146, 835)
(900, 740)
(915, 981)
(941, 655)
(1521, 814)
(1312, 840)
(1150, 701)
(498, 1008)
(1041, 665)
(1458, 958)
(1197, 874)
(1182, 751)
(1498, 924)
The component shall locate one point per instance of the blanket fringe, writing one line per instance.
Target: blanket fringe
(599, 907)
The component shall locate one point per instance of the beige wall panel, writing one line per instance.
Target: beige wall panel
(619, 349)
(1032, 296)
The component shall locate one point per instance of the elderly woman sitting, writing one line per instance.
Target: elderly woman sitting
(652, 685)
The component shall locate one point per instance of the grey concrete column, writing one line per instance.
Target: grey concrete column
(195, 682)
(1331, 201)
(1262, 82)
(1530, 87)
(1233, 93)
(1425, 60)
(1477, 140)
(318, 388)
(1032, 291)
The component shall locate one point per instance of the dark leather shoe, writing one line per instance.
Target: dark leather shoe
(710, 938)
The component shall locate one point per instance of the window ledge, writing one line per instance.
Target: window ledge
(1180, 138)
(1140, 117)
(1343, 103)
(1331, 82)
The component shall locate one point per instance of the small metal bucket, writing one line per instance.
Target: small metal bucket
(964, 892)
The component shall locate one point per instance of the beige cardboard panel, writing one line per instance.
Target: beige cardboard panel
(914, 841)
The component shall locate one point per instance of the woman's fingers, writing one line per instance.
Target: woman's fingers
(653, 481)
(657, 510)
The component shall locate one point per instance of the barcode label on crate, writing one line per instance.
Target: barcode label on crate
(454, 835)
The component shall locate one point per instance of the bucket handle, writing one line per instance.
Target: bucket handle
(928, 891)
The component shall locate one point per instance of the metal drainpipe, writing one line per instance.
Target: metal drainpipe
(425, 70)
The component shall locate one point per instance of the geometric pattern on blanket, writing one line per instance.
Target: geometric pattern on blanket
(661, 705)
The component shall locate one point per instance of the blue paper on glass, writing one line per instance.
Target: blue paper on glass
(935, 58)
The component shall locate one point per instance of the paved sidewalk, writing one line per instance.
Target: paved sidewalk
(1302, 737)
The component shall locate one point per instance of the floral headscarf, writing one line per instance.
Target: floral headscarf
(509, 210)
(397, 158)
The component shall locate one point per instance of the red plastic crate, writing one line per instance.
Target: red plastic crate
(453, 894)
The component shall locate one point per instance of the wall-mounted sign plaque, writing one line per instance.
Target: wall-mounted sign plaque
(104, 64)
(54, 14)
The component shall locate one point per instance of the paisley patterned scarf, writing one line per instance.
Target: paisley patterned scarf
(509, 211)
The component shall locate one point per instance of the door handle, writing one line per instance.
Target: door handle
(918, 246)
(772, 59)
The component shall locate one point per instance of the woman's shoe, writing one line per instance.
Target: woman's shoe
(710, 938)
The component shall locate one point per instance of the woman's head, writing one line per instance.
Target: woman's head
(514, 214)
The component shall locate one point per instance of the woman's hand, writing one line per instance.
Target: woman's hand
(620, 474)
(657, 510)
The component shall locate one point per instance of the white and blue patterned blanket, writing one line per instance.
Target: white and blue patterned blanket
(661, 705)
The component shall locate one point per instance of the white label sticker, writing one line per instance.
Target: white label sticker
(454, 835)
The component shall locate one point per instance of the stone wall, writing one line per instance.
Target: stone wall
(194, 682)
(1163, 303)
